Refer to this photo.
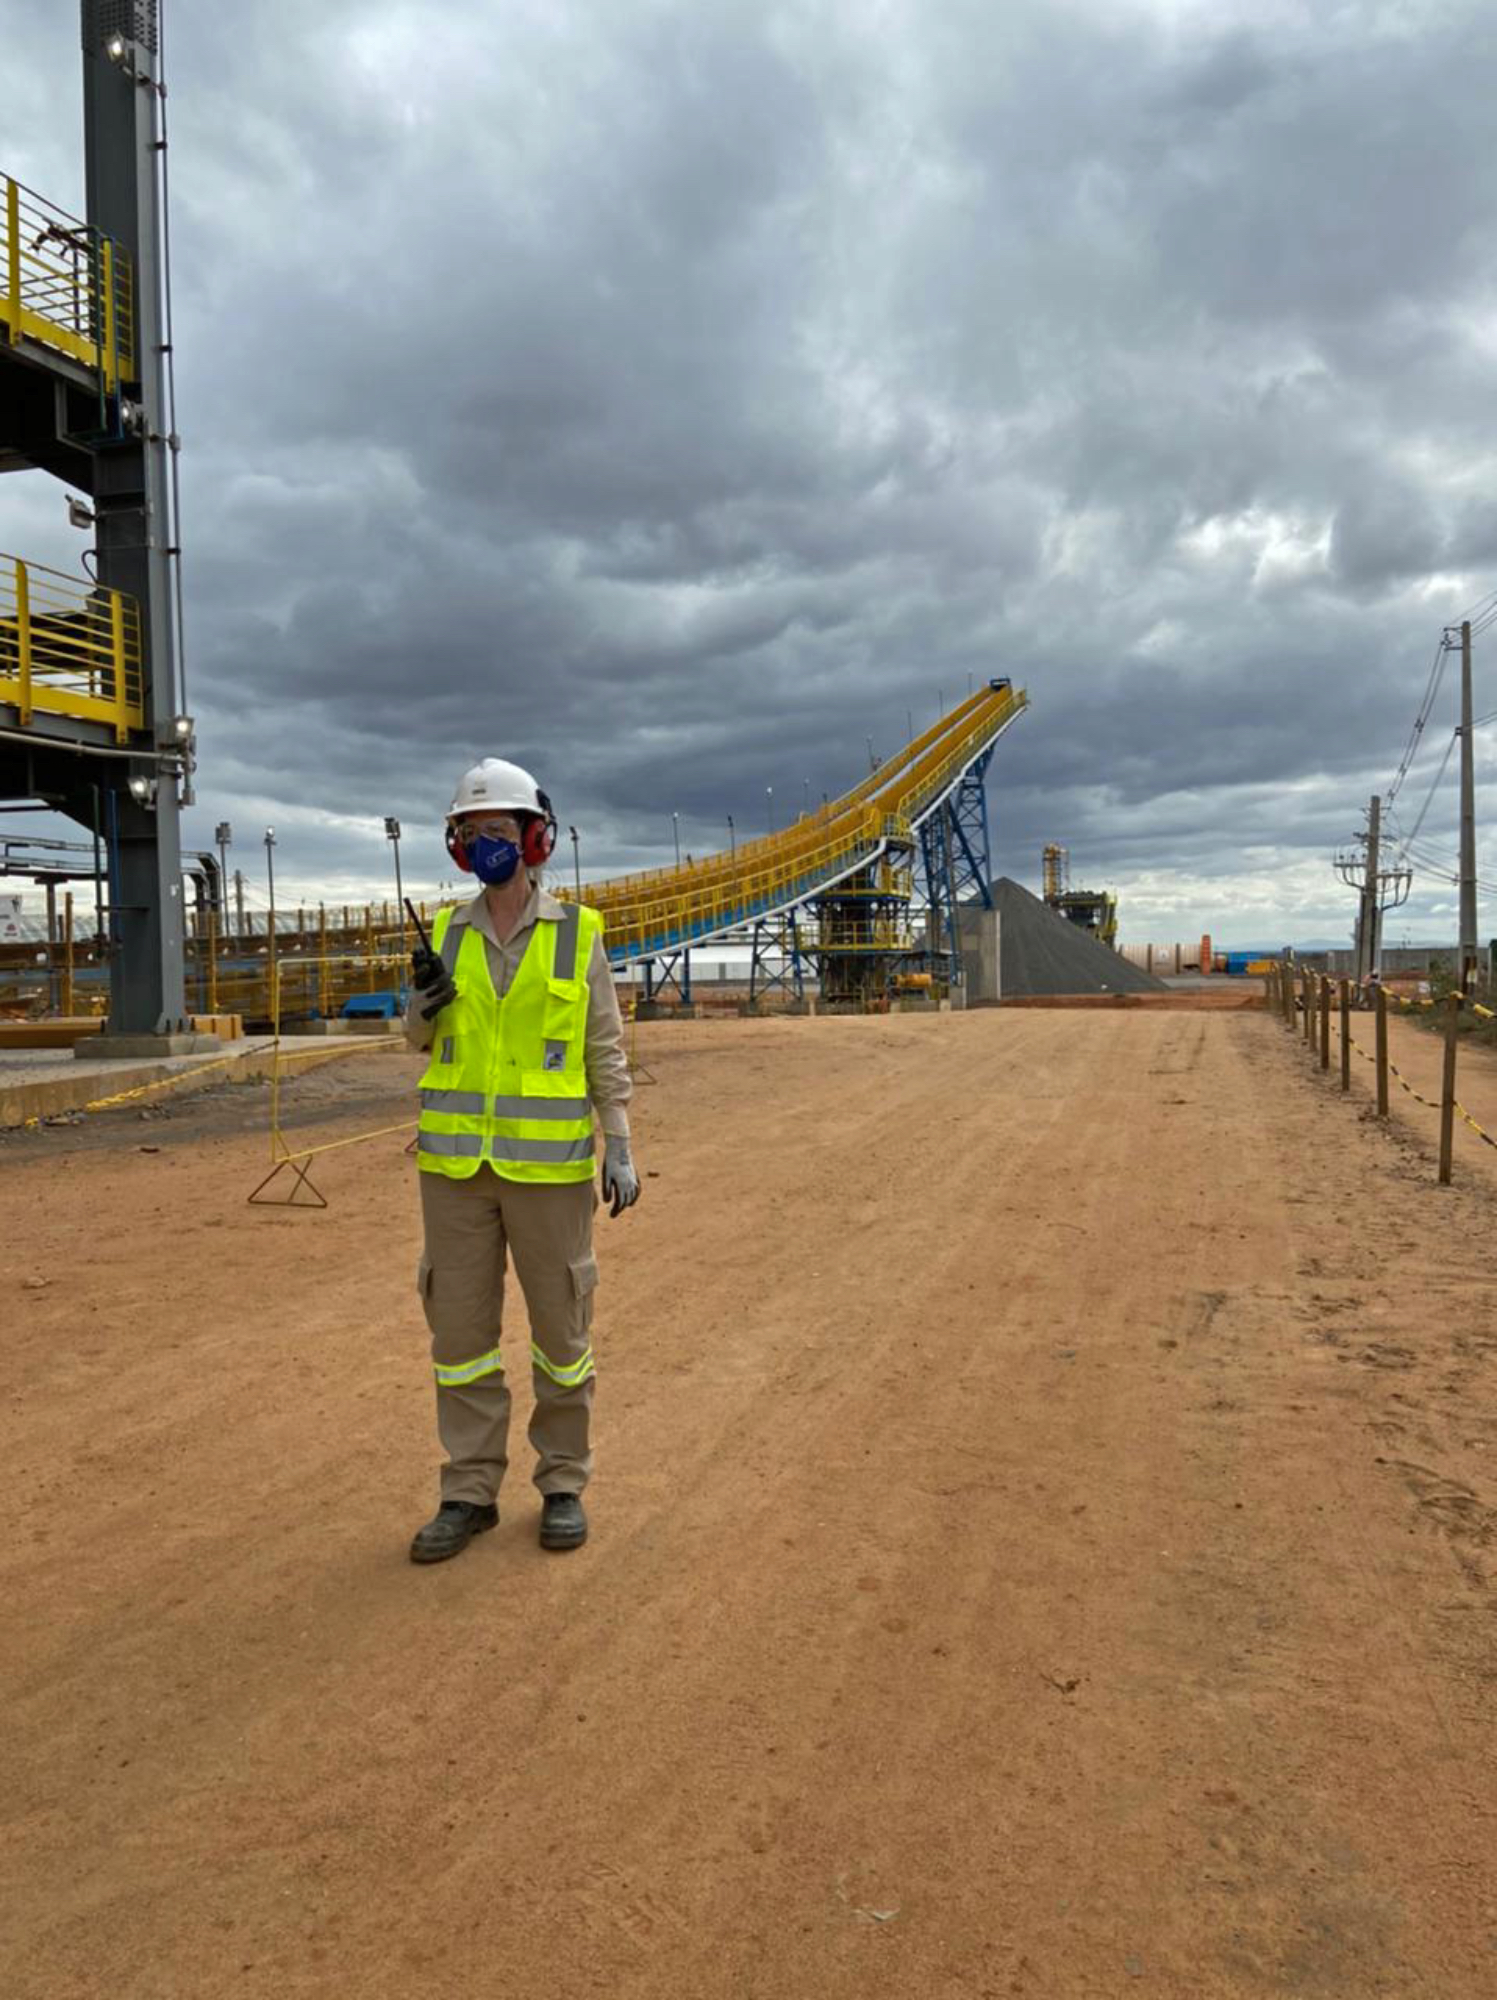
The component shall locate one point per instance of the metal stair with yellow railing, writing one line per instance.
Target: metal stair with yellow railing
(69, 647)
(65, 287)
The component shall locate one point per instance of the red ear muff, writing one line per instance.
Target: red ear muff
(457, 850)
(540, 836)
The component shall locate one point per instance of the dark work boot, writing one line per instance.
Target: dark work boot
(450, 1530)
(563, 1523)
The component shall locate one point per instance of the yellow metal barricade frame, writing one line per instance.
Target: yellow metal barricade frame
(296, 1158)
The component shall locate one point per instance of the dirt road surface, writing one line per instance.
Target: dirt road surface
(1044, 1545)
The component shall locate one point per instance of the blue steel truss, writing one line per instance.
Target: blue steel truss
(778, 964)
(957, 863)
(671, 970)
(937, 847)
(971, 858)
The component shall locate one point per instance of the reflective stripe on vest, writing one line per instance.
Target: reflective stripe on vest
(507, 1081)
(466, 1103)
(451, 1145)
(473, 1104)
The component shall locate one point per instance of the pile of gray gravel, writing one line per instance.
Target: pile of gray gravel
(1043, 953)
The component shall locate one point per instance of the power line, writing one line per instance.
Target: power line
(1431, 689)
(1481, 615)
(1455, 737)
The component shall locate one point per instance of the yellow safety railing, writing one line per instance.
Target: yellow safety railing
(64, 284)
(666, 908)
(306, 987)
(68, 646)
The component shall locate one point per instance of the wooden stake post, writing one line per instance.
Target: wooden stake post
(1345, 1034)
(1382, 1053)
(1325, 1022)
(1447, 1087)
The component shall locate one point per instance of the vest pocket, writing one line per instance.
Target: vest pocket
(567, 1085)
(562, 1017)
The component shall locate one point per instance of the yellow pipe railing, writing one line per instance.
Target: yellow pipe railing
(65, 285)
(68, 646)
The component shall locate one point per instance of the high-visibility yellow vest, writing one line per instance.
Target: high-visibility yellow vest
(507, 1079)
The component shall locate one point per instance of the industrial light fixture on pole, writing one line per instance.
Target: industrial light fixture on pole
(392, 834)
(223, 835)
(275, 1008)
(576, 861)
(676, 830)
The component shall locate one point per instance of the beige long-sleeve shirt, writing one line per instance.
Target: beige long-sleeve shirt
(609, 1083)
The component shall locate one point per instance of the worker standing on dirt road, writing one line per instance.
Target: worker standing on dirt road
(515, 1002)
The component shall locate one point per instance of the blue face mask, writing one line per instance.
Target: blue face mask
(494, 861)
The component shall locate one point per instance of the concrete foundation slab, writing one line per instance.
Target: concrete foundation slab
(144, 1048)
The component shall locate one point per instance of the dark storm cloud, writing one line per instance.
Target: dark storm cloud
(676, 397)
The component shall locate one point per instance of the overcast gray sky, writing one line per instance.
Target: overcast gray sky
(672, 394)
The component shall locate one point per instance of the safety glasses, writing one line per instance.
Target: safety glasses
(489, 829)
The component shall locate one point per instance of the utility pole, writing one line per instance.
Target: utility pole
(239, 902)
(1370, 943)
(1468, 819)
(1378, 889)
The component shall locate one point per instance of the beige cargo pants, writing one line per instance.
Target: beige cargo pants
(472, 1227)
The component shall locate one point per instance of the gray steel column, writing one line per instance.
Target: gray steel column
(121, 120)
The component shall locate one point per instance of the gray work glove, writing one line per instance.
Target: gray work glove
(432, 981)
(620, 1181)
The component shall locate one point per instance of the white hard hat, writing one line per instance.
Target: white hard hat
(495, 786)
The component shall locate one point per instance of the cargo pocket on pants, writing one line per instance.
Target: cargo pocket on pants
(423, 1279)
(584, 1272)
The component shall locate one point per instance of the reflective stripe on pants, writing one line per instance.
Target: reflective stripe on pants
(468, 1371)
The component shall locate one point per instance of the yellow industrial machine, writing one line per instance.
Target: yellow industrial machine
(1093, 910)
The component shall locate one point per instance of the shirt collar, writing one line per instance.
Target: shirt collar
(540, 907)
